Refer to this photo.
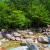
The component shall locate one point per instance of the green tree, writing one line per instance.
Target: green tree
(18, 19)
(4, 13)
(40, 14)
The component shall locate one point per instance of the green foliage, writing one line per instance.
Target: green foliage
(24, 13)
(39, 13)
(16, 19)
(4, 12)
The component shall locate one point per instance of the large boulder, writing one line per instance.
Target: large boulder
(32, 46)
(10, 37)
(43, 39)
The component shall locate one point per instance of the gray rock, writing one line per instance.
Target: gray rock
(32, 46)
(48, 26)
(30, 33)
(39, 30)
(16, 34)
(23, 41)
(45, 47)
(43, 39)
(3, 30)
(29, 40)
(10, 37)
(18, 38)
(1, 36)
(45, 33)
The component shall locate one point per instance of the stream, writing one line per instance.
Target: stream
(17, 48)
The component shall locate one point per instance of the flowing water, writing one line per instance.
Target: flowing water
(19, 48)
(24, 47)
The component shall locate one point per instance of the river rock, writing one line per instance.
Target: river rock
(44, 47)
(43, 39)
(29, 40)
(1, 36)
(22, 32)
(39, 30)
(10, 37)
(18, 38)
(23, 41)
(3, 30)
(30, 33)
(44, 29)
(16, 34)
(32, 46)
(45, 33)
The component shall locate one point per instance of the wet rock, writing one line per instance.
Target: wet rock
(43, 39)
(32, 46)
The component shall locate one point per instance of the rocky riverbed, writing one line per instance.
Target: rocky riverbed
(16, 45)
(20, 40)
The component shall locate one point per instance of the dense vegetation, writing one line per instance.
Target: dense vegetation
(24, 13)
